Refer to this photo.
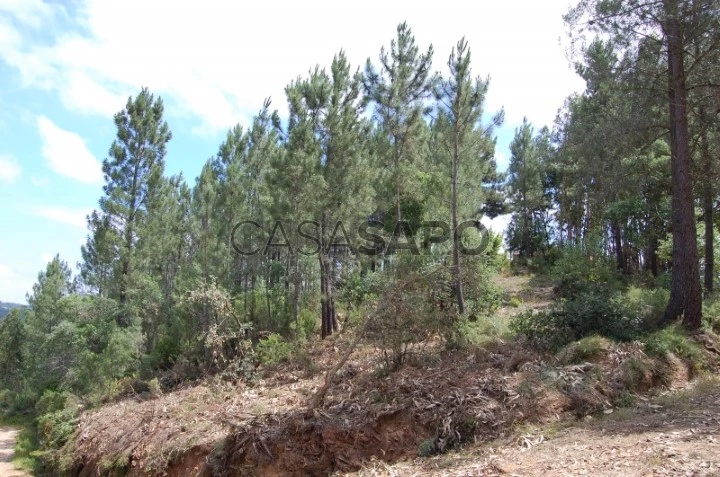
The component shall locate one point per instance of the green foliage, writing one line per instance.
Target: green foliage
(408, 313)
(578, 272)
(57, 413)
(468, 334)
(528, 230)
(273, 350)
(638, 374)
(647, 306)
(542, 330)
(674, 340)
(306, 325)
(13, 336)
(482, 295)
(588, 313)
(359, 286)
(584, 349)
(7, 308)
(515, 302)
(711, 313)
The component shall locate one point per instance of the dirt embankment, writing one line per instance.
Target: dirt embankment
(435, 403)
(672, 435)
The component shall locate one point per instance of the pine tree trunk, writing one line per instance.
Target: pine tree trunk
(296, 287)
(709, 240)
(685, 293)
(708, 209)
(618, 245)
(456, 233)
(652, 256)
(327, 305)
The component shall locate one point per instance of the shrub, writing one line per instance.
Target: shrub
(515, 302)
(273, 350)
(467, 333)
(306, 324)
(647, 306)
(674, 340)
(576, 272)
(410, 313)
(588, 313)
(546, 330)
(584, 349)
(357, 286)
(594, 313)
(711, 313)
(482, 295)
(639, 374)
(57, 413)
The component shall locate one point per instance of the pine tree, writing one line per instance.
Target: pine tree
(328, 146)
(527, 232)
(52, 285)
(99, 256)
(398, 90)
(469, 146)
(133, 173)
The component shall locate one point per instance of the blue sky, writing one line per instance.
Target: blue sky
(67, 67)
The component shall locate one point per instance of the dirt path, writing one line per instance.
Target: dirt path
(7, 442)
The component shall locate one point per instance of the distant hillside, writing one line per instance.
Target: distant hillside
(5, 308)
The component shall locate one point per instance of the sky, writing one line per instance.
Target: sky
(67, 67)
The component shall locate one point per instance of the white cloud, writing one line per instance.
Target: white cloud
(14, 285)
(501, 159)
(9, 169)
(498, 224)
(67, 153)
(64, 215)
(216, 61)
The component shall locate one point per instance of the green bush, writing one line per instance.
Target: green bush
(515, 302)
(27, 451)
(588, 313)
(584, 349)
(57, 413)
(545, 330)
(358, 286)
(711, 313)
(594, 313)
(674, 340)
(306, 324)
(468, 334)
(273, 350)
(482, 295)
(647, 306)
(576, 272)
(409, 314)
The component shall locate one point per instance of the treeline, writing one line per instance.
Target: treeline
(632, 170)
(367, 185)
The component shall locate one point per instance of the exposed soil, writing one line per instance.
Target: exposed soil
(435, 403)
(7, 443)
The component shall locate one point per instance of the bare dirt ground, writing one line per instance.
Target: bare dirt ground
(7, 442)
